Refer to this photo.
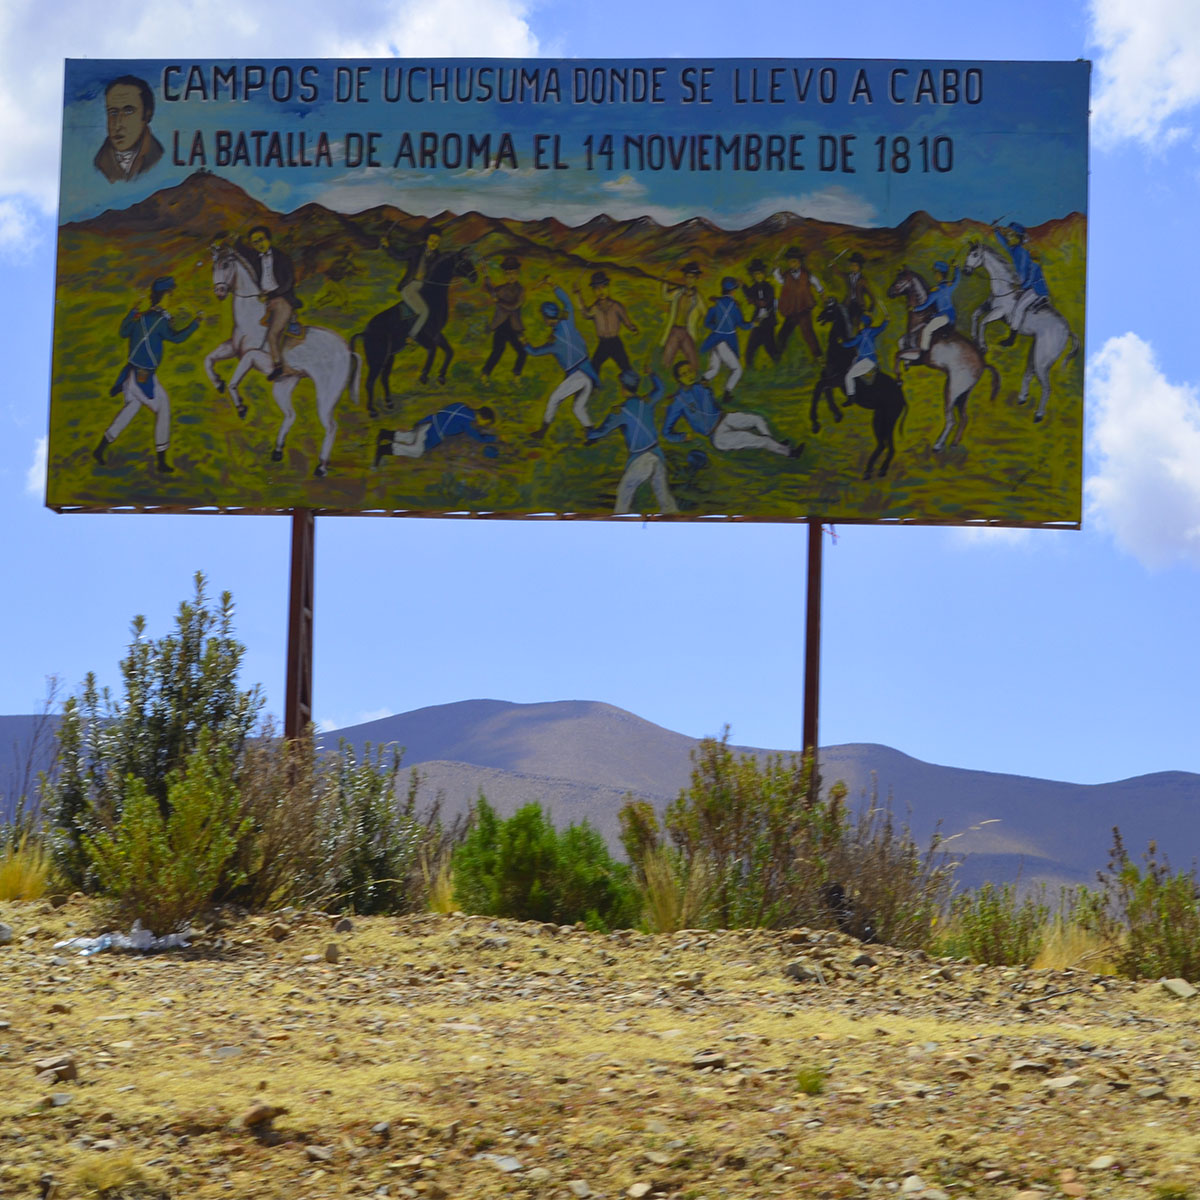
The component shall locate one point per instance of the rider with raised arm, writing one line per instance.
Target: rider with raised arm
(866, 357)
(941, 300)
(1029, 275)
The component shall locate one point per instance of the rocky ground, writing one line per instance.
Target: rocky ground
(297, 1056)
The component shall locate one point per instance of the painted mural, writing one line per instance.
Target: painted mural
(763, 289)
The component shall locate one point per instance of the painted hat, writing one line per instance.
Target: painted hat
(598, 278)
(691, 268)
(793, 252)
(164, 283)
(941, 266)
(757, 264)
(510, 264)
(729, 284)
(856, 257)
(697, 459)
(631, 379)
(550, 310)
(1017, 228)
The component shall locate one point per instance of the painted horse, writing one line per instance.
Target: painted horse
(959, 359)
(320, 355)
(1042, 321)
(387, 332)
(883, 395)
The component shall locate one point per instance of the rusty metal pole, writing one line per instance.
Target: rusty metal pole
(812, 646)
(298, 686)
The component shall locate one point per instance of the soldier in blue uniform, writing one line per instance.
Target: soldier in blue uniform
(434, 429)
(147, 331)
(570, 351)
(635, 420)
(1029, 275)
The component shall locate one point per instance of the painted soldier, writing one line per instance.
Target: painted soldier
(859, 300)
(147, 331)
(760, 295)
(506, 325)
(609, 316)
(276, 279)
(419, 259)
(684, 314)
(798, 292)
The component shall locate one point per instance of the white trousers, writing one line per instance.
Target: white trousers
(722, 354)
(860, 367)
(577, 384)
(931, 327)
(159, 404)
(411, 295)
(645, 468)
(410, 443)
(745, 431)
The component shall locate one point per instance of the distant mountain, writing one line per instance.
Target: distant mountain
(185, 218)
(582, 759)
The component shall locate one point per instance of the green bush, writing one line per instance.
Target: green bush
(174, 689)
(161, 869)
(767, 846)
(524, 868)
(1150, 915)
(990, 926)
(380, 852)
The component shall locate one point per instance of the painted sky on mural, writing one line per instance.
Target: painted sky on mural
(1013, 137)
(1069, 655)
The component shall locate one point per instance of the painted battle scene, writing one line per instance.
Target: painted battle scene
(766, 289)
(792, 368)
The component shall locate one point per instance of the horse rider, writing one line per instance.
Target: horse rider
(941, 300)
(276, 279)
(865, 356)
(419, 260)
(1029, 275)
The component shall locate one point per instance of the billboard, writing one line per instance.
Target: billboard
(769, 289)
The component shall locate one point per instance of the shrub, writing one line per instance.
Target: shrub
(675, 894)
(160, 869)
(776, 849)
(380, 851)
(523, 868)
(990, 926)
(173, 689)
(1150, 916)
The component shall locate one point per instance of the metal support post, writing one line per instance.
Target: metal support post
(298, 704)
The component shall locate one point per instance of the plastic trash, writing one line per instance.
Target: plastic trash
(138, 939)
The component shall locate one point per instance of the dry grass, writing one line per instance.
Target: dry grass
(1066, 945)
(676, 897)
(25, 868)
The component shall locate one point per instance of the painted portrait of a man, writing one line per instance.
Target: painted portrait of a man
(130, 148)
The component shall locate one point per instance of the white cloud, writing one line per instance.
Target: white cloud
(1148, 69)
(331, 725)
(36, 37)
(35, 477)
(1144, 440)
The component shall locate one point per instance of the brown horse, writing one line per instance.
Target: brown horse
(959, 359)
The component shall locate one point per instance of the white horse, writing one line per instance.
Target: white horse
(1043, 322)
(323, 356)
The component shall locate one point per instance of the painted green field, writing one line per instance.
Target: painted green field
(1006, 468)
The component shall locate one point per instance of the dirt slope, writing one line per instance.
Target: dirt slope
(442, 1056)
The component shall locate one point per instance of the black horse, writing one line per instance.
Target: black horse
(884, 395)
(387, 332)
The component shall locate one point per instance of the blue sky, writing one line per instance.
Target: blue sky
(1071, 655)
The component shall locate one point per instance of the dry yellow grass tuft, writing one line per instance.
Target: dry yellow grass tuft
(25, 869)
